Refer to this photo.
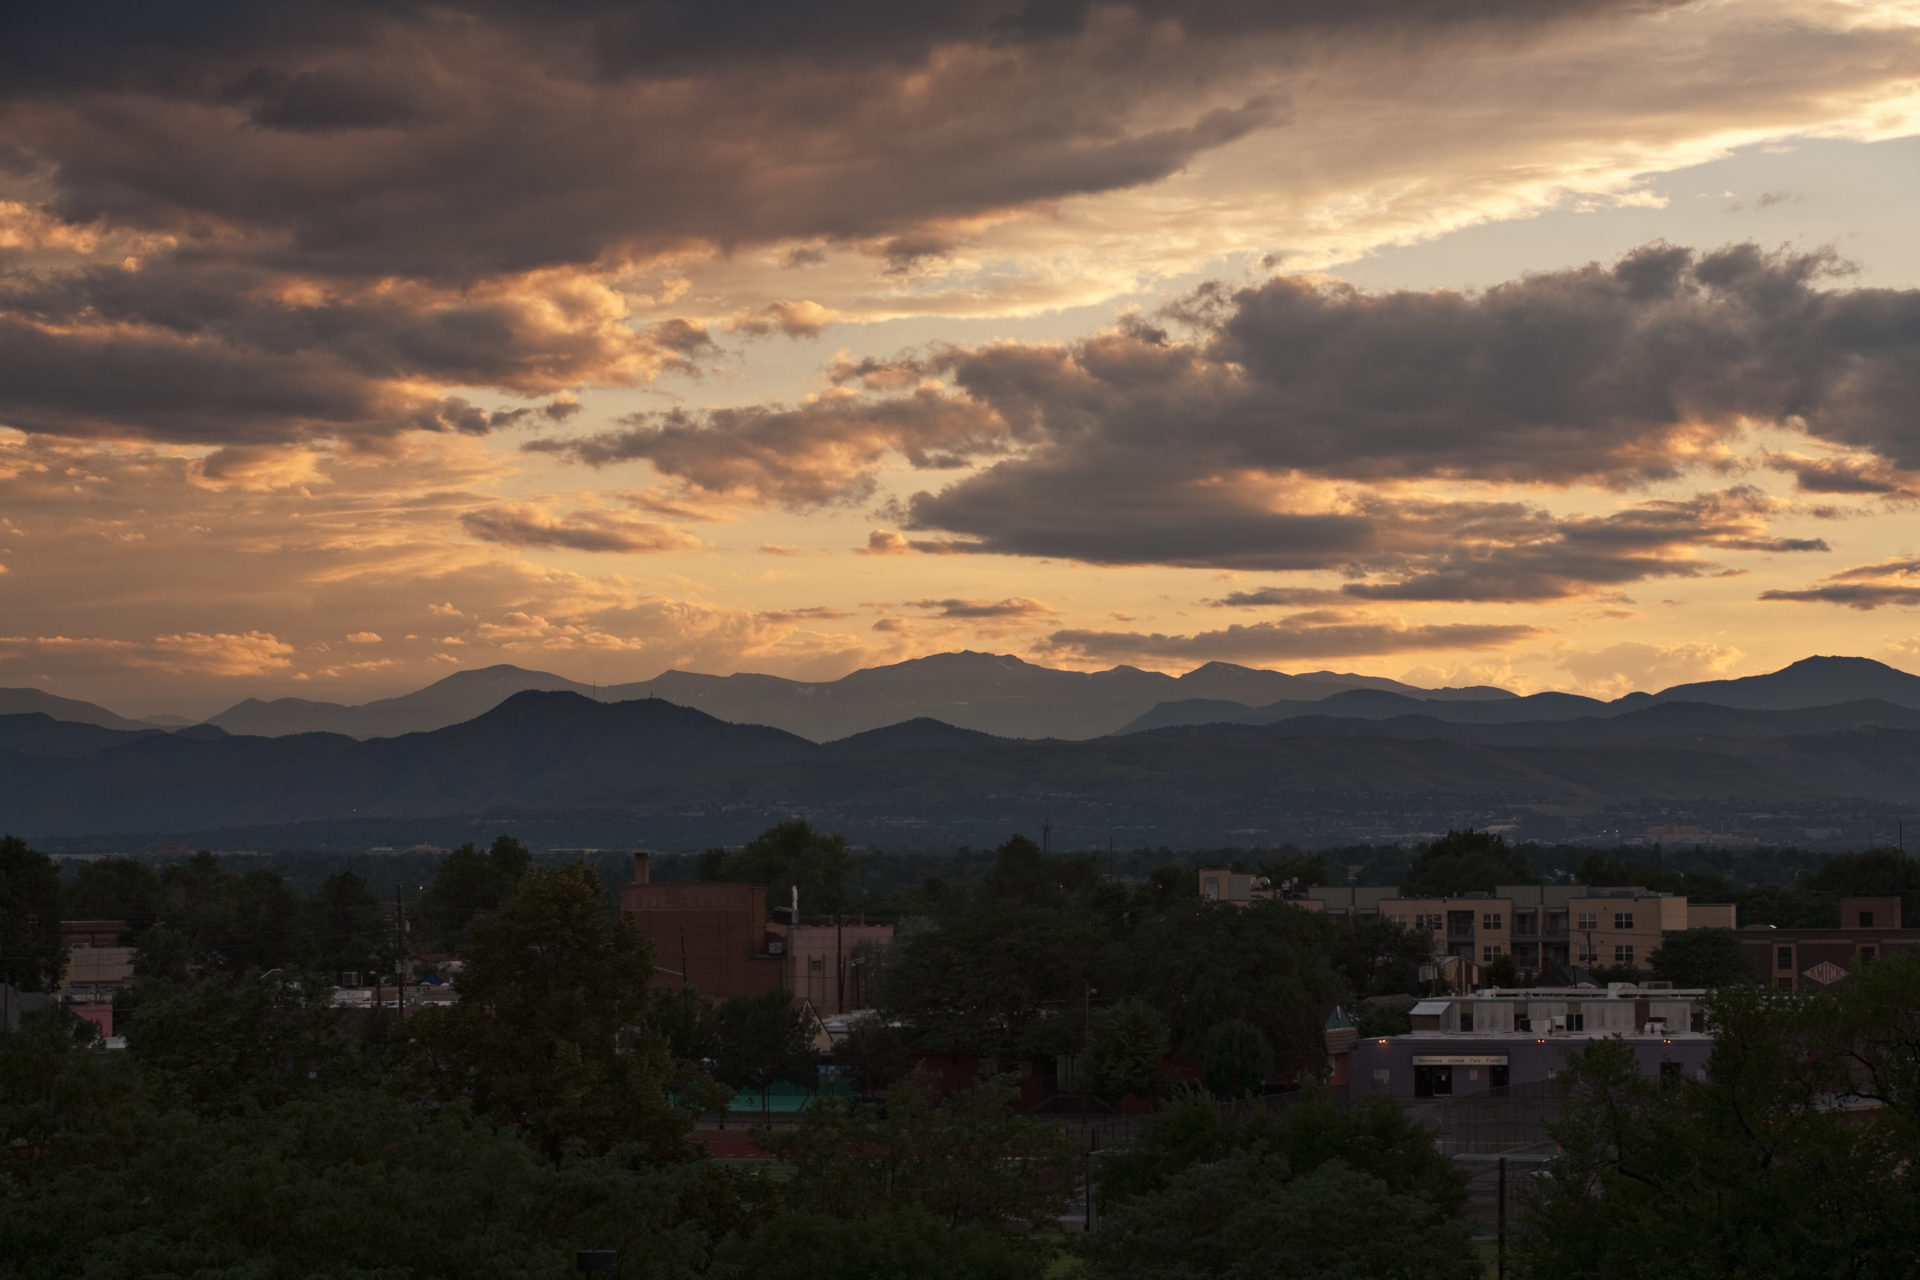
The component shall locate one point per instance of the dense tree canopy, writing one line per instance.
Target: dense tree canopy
(1465, 862)
(967, 1158)
(1319, 1191)
(549, 988)
(1702, 958)
(470, 881)
(30, 953)
(1793, 1158)
(786, 856)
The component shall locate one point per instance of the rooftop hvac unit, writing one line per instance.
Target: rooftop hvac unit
(1558, 1022)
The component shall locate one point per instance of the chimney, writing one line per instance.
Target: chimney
(640, 867)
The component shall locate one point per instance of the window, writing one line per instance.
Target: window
(1576, 1022)
(1783, 957)
(1490, 920)
(1210, 889)
(1435, 923)
(1399, 920)
(1869, 954)
(1466, 1017)
(1623, 919)
(1588, 920)
(816, 964)
(1488, 953)
(1866, 919)
(1521, 1022)
(1623, 955)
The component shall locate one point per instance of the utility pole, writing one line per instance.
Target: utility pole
(1500, 1246)
(400, 948)
(839, 965)
(1046, 836)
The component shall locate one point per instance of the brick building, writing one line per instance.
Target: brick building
(1816, 959)
(721, 940)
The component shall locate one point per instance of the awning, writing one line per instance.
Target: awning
(1430, 1008)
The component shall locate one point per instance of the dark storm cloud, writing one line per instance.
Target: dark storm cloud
(426, 170)
(524, 525)
(1595, 374)
(821, 452)
(1320, 634)
(1854, 595)
(1136, 447)
(183, 47)
(1267, 597)
(1572, 557)
(1014, 607)
(1867, 586)
(1844, 476)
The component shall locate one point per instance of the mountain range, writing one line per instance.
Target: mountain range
(659, 766)
(991, 693)
(1007, 697)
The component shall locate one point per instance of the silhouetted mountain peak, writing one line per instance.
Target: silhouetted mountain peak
(1811, 682)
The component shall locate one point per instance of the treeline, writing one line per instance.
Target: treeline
(252, 1127)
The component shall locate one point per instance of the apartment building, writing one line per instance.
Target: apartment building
(1543, 927)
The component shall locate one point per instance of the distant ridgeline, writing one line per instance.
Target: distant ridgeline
(1824, 749)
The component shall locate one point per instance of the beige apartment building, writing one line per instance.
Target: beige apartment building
(1541, 926)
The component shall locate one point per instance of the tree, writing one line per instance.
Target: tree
(1377, 1138)
(1874, 873)
(227, 1042)
(1125, 1048)
(1235, 1058)
(469, 881)
(1465, 862)
(348, 929)
(549, 986)
(761, 1039)
(355, 1183)
(1500, 971)
(1794, 1157)
(116, 889)
(875, 1053)
(1201, 964)
(1702, 958)
(790, 854)
(1252, 1216)
(888, 1245)
(1378, 957)
(988, 981)
(968, 1158)
(31, 956)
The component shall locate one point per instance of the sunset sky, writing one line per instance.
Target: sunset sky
(1553, 345)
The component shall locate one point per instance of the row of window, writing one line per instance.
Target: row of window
(1591, 920)
(1494, 921)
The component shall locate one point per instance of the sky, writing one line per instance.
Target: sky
(1552, 345)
